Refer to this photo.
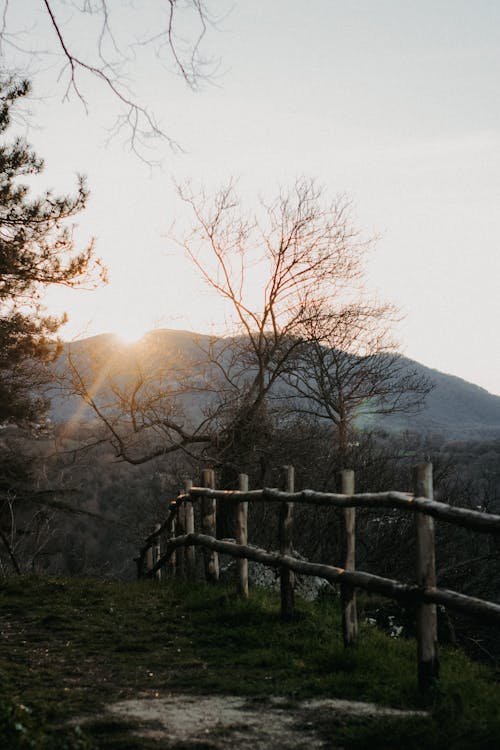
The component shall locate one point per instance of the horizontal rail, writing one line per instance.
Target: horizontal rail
(469, 519)
(165, 525)
(487, 611)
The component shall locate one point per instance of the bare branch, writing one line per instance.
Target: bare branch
(306, 249)
(136, 401)
(113, 56)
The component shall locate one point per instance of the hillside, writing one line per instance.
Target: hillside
(455, 408)
(88, 665)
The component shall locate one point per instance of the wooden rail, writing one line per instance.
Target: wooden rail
(403, 592)
(424, 592)
(470, 519)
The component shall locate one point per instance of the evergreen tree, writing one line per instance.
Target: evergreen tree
(36, 251)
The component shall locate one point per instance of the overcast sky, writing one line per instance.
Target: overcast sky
(396, 103)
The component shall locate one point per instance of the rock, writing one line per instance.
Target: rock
(307, 587)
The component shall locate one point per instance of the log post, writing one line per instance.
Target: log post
(189, 524)
(156, 551)
(148, 558)
(287, 577)
(348, 562)
(180, 529)
(428, 660)
(208, 526)
(140, 561)
(242, 538)
(172, 560)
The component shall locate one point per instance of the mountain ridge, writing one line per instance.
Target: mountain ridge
(454, 406)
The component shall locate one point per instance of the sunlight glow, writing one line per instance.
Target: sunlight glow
(130, 335)
(129, 330)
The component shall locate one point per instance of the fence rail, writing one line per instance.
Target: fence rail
(469, 519)
(178, 552)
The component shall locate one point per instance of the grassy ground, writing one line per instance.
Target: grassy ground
(68, 647)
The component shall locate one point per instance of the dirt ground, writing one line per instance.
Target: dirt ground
(224, 722)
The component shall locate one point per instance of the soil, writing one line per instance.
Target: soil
(224, 722)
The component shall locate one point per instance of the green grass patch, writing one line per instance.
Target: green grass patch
(68, 647)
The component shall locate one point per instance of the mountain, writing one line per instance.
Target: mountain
(104, 355)
(456, 408)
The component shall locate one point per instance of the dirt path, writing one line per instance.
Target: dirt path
(231, 722)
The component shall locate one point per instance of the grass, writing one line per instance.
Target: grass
(69, 646)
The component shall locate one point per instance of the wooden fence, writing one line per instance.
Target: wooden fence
(178, 554)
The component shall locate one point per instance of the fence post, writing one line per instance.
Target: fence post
(242, 538)
(148, 558)
(286, 548)
(189, 528)
(172, 560)
(180, 529)
(208, 526)
(428, 660)
(348, 546)
(156, 551)
(140, 561)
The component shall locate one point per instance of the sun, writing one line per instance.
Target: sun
(128, 338)
(129, 319)
(130, 330)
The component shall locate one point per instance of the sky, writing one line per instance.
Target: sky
(395, 103)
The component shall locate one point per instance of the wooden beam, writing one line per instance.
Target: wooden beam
(171, 560)
(242, 538)
(208, 526)
(470, 519)
(156, 551)
(180, 530)
(348, 546)
(165, 526)
(428, 660)
(407, 593)
(189, 524)
(287, 578)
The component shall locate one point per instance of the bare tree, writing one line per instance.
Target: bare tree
(175, 34)
(143, 399)
(349, 369)
(274, 269)
(301, 339)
